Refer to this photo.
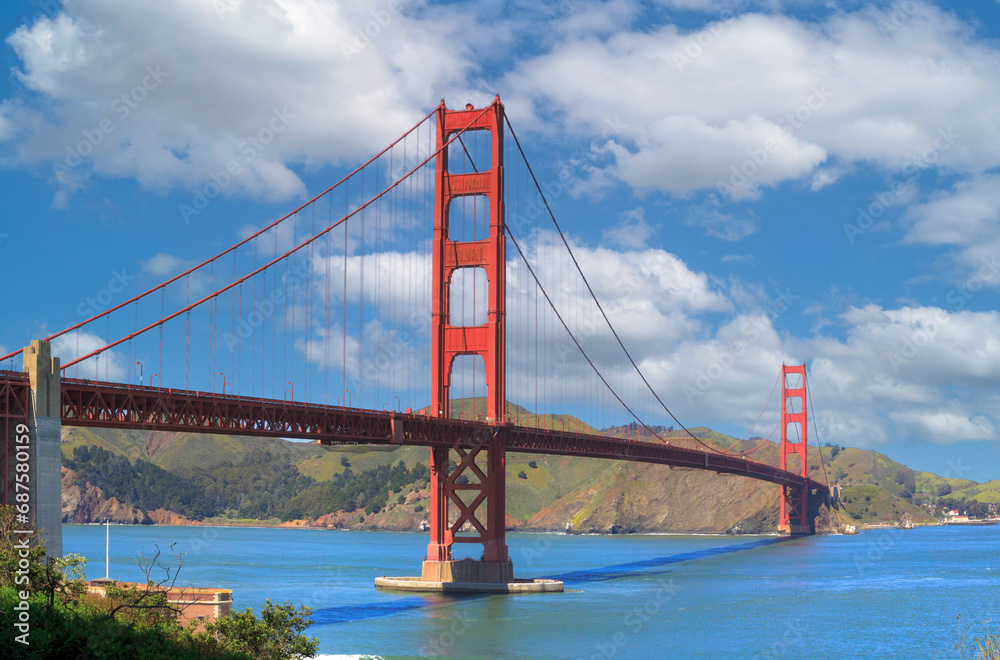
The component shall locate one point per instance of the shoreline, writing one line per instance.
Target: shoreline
(539, 532)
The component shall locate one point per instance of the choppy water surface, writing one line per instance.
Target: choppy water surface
(882, 594)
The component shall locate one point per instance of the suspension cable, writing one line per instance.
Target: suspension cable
(592, 295)
(225, 252)
(280, 258)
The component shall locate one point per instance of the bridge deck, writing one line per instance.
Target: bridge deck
(112, 405)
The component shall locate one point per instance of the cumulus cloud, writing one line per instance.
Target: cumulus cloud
(725, 226)
(106, 366)
(894, 374)
(966, 218)
(164, 265)
(749, 101)
(632, 231)
(889, 376)
(754, 100)
(867, 314)
(169, 92)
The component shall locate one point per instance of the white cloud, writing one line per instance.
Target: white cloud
(868, 314)
(967, 219)
(894, 375)
(721, 225)
(968, 214)
(945, 425)
(749, 102)
(164, 265)
(199, 87)
(632, 231)
(756, 100)
(106, 366)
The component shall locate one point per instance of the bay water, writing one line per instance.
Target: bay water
(881, 594)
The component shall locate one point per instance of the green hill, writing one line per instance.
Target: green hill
(256, 478)
(171, 451)
(987, 493)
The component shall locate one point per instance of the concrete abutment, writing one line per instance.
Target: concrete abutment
(45, 428)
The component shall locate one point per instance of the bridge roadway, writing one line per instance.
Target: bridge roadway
(101, 404)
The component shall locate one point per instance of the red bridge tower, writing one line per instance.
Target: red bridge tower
(486, 483)
(794, 518)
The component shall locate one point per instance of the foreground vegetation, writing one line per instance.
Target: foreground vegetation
(984, 648)
(135, 622)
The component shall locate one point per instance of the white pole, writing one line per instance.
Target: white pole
(107, 546)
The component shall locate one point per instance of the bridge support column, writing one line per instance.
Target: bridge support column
(794, 515)
(44, 429)
(479, 478)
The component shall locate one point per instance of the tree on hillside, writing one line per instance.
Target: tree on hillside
(143, 484)
(907, 482)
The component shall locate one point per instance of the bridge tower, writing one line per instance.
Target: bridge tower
(794, 518)
(486, 484)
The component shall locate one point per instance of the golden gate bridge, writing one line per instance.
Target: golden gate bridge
(316, 326)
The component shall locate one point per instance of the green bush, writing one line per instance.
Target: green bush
(129, 622)
(276, 635)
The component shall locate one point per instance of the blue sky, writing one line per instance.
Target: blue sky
(825, 174)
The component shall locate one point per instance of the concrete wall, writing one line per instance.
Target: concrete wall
(45, 427)
(201, 604)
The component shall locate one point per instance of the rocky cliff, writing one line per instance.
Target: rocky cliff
(655, 498)
(83, 503)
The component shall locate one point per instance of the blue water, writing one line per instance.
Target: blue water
(881, 594)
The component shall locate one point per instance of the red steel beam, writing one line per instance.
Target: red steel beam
(112, 405)
(15, 395)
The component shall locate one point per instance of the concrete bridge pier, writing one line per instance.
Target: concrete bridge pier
(44, 429)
